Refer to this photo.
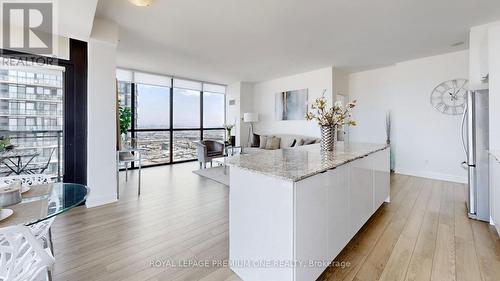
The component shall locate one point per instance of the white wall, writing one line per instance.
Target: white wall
(233, 112)
(101, 147)
(242, 94)
(340, 80)
(425, 142)
(264, 101)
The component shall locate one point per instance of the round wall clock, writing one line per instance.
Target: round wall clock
(450, 96)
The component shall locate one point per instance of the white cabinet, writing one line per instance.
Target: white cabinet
(361, 192)
(338, 214)
(381, 178)
(478, 56)
(494, 85)
(495, 192)
(311, 223)
(313, 219)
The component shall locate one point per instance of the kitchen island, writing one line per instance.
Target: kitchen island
(292, 211)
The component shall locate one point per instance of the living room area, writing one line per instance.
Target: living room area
(269, 140)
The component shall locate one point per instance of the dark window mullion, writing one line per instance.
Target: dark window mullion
(171, 160)
(201, 113)
(133, 134)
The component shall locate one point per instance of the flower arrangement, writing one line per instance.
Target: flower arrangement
(338, 115)
(228, 128)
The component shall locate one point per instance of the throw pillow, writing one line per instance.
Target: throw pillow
(255, 141)
(293, 143)
(300, 142)
(262, 142)
(273, 143)
(309, 141)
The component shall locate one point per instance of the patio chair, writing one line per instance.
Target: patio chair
(39, 168)
(208, 150)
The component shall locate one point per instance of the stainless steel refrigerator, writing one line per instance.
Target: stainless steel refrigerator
(475, 140)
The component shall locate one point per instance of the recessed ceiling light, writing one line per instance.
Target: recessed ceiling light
(457, 44)
(142, 3)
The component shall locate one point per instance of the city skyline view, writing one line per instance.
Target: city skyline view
(153, 103)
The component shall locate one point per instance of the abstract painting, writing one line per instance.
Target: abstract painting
(291, 105)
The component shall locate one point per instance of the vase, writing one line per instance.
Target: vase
(229, 140)
(328, 138)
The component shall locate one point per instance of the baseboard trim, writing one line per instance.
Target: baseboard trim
(431, 175)
(96, 201)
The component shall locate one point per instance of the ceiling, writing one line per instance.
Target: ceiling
(75, 18)
(235, 40)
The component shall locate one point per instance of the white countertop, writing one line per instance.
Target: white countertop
(295, 164)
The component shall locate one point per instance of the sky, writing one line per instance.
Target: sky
(153, 104)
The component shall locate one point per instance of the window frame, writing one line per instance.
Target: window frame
(134, 130)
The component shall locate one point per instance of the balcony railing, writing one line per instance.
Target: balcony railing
(31, 81)
(31, 97)
(41, 142)
(30, 112)
(29, 128)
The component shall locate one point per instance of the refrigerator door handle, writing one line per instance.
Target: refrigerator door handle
(462, 127)
(471, 128)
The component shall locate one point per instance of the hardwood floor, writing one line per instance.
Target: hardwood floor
(423, 234)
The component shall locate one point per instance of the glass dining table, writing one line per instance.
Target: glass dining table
(42, 202)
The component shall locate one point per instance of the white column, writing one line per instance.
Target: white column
(101, 131)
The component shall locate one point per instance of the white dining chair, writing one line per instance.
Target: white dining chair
(22, 257)
(26, 180)
(41, 230)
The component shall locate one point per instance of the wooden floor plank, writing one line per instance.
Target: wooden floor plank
(375, 262)
(397, 265)
(467, 264)
(487, 250)
(420, 265)
(443, 266)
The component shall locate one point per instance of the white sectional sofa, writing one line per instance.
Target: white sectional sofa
(286, 141)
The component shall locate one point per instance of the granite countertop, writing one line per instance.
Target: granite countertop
(295, 164)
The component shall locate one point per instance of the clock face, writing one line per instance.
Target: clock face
(450, 97)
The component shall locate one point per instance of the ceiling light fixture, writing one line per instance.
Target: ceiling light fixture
(142, 3)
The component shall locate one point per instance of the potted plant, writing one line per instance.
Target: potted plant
(125, 121)
(5, 144)
(330, 119)
(228, 128)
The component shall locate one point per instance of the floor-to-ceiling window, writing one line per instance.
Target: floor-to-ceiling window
(169, 114)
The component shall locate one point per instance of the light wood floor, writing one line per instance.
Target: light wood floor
(423, 234)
